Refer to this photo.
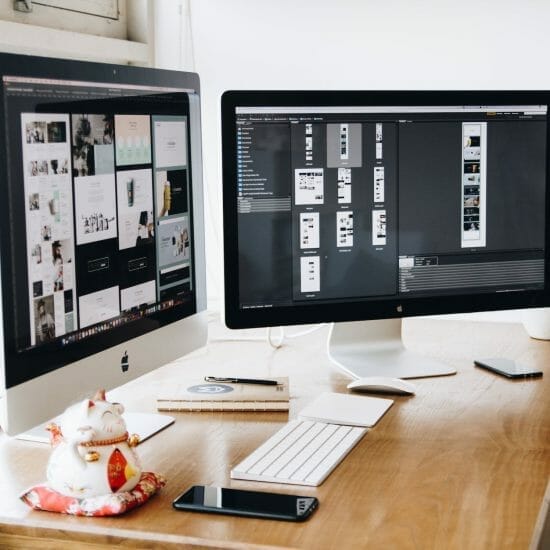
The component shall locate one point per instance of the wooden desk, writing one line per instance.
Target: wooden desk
(463, 464)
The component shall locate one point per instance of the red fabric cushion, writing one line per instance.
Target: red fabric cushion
(42, 497)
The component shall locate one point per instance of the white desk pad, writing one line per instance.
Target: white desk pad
(348, 410)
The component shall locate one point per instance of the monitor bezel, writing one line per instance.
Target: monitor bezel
(22, 366)
(353, 310)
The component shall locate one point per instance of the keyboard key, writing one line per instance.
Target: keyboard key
(277, 450)
(292, 450)
(289, 471)
(334, 457)
(336, 436)
(263, 449)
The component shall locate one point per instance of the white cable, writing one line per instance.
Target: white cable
(274, 343)
(191, 38)
(181, 26)
(307, 331)
(279, 342)
(239, 339)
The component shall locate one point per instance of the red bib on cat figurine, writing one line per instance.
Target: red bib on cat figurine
(116, 470)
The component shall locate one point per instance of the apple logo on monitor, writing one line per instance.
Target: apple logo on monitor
(124, 364)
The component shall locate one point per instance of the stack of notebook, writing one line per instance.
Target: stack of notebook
(214, 396)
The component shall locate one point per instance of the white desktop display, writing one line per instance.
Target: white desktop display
(429, 177)
(91, 294)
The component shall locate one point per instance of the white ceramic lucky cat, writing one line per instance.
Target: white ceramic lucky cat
(93, 455)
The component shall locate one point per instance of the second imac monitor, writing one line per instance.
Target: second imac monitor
(101, 229)
(348, 206)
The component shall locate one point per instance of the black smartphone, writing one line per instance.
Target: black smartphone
(507, 367)
(258, 504)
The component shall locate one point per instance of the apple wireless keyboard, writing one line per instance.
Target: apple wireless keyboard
(302, 452)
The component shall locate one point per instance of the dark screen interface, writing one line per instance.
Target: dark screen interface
(352, 203)
(100, 205)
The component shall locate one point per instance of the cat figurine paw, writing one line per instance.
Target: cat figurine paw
(93, 454)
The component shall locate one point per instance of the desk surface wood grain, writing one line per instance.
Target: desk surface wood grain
(462, 464)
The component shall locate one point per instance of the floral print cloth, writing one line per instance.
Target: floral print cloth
(42, 497)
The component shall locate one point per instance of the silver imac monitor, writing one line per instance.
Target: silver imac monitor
(101, 229)
(361, 208)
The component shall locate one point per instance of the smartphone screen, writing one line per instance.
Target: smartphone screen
(220, 500)
(507, 367)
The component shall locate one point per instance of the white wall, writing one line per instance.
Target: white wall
(361, 44)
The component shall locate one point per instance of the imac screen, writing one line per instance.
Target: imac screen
(99, 216)
(373, 205)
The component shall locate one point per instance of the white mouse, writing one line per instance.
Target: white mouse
(382, 384)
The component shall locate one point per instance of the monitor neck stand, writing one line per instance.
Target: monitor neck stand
(375, 348)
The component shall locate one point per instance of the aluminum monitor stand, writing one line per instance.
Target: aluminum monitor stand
(375, 348)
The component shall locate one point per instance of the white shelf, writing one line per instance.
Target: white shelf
(35, 40)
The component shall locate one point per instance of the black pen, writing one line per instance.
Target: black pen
(241, 380)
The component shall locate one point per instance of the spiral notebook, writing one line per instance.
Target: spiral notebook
(214, 396)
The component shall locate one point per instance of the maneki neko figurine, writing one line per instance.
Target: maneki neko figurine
(93, 454)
